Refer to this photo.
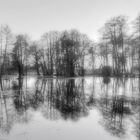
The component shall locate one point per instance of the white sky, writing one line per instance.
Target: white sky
(36, 17)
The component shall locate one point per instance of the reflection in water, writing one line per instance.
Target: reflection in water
(69, 99)
(117, 100)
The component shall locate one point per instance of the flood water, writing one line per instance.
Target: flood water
(87, 108)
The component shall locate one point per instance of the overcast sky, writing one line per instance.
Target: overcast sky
(38, 16)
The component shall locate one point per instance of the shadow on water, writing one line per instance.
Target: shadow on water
(67, 99)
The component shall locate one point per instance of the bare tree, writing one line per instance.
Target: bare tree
(115, 32)
(20, 54)
(36, 53)
(137, 38)
(6, 41)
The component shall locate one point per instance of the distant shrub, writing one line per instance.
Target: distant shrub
(106, 71)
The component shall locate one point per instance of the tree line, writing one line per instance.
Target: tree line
(67, 53)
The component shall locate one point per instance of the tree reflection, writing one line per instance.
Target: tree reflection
(5, 110)
(136, 119)
(37, 98)
(67, 98)
(19, 99)
(114, 110)
(106, 80)
(91, 102)
(65, 95)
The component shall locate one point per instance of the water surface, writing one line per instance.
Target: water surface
(34, 108)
